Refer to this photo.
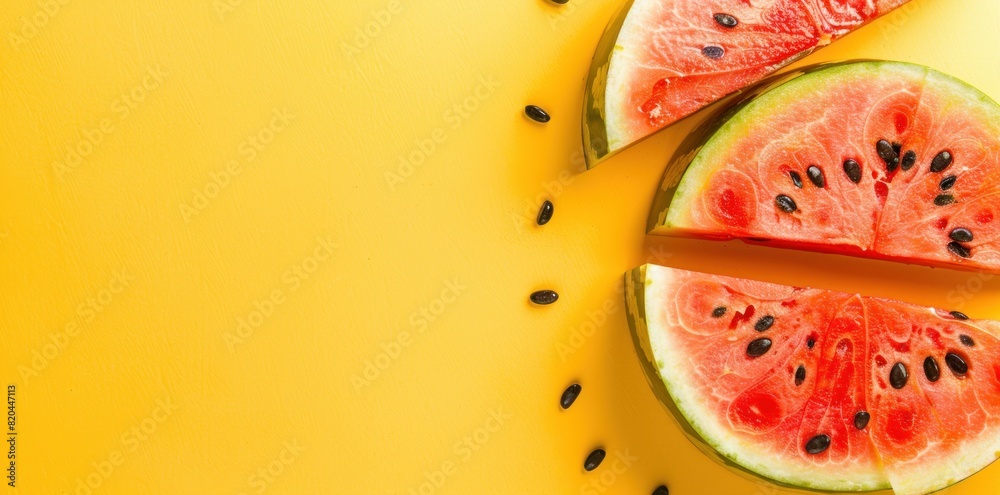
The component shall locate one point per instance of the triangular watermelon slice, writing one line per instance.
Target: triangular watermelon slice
(661, 60)
(819, 389)
(876, 159)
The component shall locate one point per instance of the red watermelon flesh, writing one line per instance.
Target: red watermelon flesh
(750, 174)
(661, 60)
(792, 412)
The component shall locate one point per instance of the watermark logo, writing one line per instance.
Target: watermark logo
(121, 109)
(365, 35)
(420, 320)
(454, 118)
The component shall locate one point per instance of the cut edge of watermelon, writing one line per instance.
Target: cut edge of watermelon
(645, 285)
(687, 173)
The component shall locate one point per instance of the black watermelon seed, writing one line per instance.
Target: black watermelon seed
(786, 204)
(961, 235)
(959, 250)
(818, 444)
(810, 342)
(898, 376)
(545, 213)
(944, 199)
(718, 312)
(816, 176)
(956, 363)
(535, 113)
(959, 315)
(594, 459)
(764, 323)
(931, 369)
(966, 340)
(560, 2)
(661, 490)
(726, 20)
(713, 51)
(800, 375)
(796, 178)
(570, 395)
(941, 161)
(887, 154)
(544, 297)
(948, 182)
(861, 419)
(908, 161)
(758, 347)
(853, 170)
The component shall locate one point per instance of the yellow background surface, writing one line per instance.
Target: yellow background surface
(222, 290)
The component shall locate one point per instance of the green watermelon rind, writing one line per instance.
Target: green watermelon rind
(595, 137)
(672, 396)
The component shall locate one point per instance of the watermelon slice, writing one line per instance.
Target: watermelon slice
(661, 60)
(818, 389)
(876, 159)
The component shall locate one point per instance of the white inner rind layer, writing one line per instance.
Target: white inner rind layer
(624, 55)
(917, 477)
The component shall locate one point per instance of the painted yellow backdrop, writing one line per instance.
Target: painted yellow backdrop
(247, 248)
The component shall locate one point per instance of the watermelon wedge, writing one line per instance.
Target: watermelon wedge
(818, 389)
(661, 60)
(876, 159)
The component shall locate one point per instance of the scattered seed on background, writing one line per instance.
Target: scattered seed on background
(560, 2)
(959, 250)
(661, 490)
(544, 297)
(887, 154)
(758, 347)
(718, 312)
(944, 199)
(545, 213)
(941, 161)
(861, 419)
(818, 444)
(948, 182)
(800, 375)
(853, 170)
(726, 20)
(594, 459)
(786, 204)
(908, 161)
(898, 376)
(569, 395)
(816, 176)
(713, 51)
(966, 340)
(959, 315)
(956, 364)
(764, 323)
(536, 113)
(961, 234)
(796, 178)
(931, 369)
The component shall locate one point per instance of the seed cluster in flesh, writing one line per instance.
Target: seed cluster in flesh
(899, 373)
(889, 153)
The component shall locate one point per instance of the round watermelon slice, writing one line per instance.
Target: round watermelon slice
(876, 159)
(661, 60)
(818, 389)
